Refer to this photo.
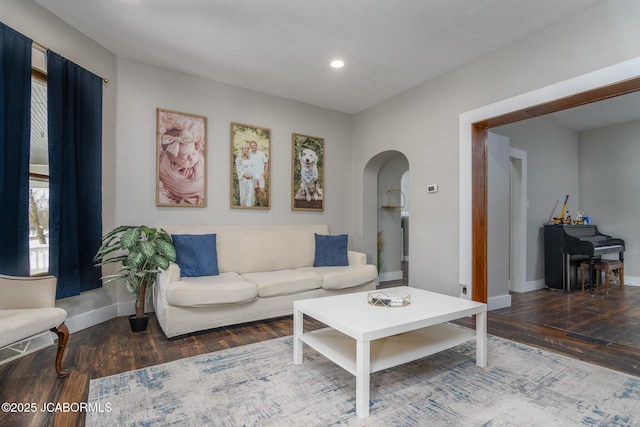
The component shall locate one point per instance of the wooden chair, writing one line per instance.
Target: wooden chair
(27, 307)
(606, 266)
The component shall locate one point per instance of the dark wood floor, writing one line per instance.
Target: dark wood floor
(601, 329)
(607, 330)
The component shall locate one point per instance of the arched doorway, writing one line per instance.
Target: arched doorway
(382, 213)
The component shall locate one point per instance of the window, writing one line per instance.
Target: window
(39, 178)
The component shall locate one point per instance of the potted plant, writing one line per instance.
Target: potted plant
(141, 251)
(380, 248)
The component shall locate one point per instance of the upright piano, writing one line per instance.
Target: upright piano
(565, 245)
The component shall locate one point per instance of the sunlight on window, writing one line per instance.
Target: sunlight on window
(39, 180)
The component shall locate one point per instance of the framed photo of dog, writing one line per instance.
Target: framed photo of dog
(181, 171)
(307, 173)
(250, 167)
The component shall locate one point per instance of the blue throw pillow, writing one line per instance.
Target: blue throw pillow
(331, 251)
(196, 254)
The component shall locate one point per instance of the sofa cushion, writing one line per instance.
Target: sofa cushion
(284, 282)
(18, 324)
(207, 291)
(344, 277)
(331, 250)
(251, 248)
(196, 254)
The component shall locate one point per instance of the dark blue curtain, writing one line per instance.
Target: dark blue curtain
(75, 174)
(15, 129)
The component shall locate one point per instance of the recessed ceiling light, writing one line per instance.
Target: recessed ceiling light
(337, 63)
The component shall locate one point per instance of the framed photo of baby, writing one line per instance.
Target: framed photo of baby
(250, 167)
(307, 173)
(181, 159)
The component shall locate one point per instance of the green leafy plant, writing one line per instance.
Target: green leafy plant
(380, 248)
(142, 252)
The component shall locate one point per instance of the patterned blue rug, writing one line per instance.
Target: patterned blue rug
(258, 385)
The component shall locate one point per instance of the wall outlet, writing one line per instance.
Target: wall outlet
(432, 188)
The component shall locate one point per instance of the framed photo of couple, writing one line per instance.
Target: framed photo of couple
(307, 173)
(250, 167)
(181, 170)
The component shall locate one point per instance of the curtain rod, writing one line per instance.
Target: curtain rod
(44, 49)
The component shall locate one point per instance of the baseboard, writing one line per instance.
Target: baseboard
(95, 317)
(389, 276)
(532, 285)
(91, 318)
(502, 301)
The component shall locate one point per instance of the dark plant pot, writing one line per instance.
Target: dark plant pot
(138, 324)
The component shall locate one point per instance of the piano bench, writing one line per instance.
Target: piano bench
(608, 266)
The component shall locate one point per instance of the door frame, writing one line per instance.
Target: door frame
(609, 82)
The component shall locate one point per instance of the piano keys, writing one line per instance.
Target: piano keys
(567, 245)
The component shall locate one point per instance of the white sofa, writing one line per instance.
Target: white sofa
(263, 269)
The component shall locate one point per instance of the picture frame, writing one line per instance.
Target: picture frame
(307, 173)
(250, 167)
(181, 169)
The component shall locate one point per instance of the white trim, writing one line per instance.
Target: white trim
(502, 301)
(389, 276)
(599, 78)
(520, 252)
(533, 285)
(91, 318)
(102, 314)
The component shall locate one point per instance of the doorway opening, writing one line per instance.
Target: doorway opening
(474, 128)
(386, 215)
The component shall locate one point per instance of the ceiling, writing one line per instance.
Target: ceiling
(283, 47)
(612, 111)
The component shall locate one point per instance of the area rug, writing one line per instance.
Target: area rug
(258, 385)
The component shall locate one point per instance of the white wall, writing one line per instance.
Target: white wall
(498, 222)
(143, 88)
(552, 173)
(423, 123)
(610, 187)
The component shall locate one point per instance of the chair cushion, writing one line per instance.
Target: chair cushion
(18, 324)
(344, 277)
(207, 291)
(196, 254)
(284, 282)
(331, 250)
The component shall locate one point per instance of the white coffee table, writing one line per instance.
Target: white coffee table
(363, 339)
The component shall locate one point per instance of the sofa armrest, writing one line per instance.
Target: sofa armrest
(357, 258)
(27, 292)
(168, 276)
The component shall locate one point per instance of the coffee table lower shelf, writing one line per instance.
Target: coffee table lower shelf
(390, 351)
